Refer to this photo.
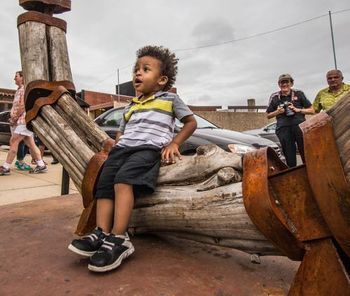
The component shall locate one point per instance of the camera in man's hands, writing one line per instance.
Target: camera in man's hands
(287, 110)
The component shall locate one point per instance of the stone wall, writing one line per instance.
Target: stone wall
(238, 121)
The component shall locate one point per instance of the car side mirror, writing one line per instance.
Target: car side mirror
(265, 129)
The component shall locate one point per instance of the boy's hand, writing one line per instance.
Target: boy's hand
(169, 153)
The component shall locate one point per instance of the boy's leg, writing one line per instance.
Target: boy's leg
(105, 196)
(124, 203)
(117, 245)
(104, 214)
(89, 244)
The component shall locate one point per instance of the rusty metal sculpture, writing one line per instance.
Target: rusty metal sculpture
(305, 211)
(302, 213)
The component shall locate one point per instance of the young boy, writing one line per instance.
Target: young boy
(145, 139)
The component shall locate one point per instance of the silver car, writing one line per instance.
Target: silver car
(267, 132)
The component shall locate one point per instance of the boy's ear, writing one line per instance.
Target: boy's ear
(163, 80)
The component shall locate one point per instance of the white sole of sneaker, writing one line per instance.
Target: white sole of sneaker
(80, 252)
(115, 264)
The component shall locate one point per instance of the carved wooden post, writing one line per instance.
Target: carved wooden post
(52, 112)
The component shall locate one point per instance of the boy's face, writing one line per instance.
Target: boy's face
(147, 78)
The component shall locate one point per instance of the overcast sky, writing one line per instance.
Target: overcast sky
(251, 47)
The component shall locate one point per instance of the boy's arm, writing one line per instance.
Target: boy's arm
(169, 152)
(117, 136)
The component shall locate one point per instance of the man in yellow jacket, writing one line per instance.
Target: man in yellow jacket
(327, 97)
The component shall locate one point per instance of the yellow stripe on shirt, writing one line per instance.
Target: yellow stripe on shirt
(155, 104)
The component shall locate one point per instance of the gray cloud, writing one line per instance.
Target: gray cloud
(212, 31)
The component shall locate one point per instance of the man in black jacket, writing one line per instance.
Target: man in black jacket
(289, 106)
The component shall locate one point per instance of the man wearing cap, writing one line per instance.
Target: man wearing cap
(336, 89)
(289, 106)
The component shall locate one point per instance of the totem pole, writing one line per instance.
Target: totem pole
(52, 112)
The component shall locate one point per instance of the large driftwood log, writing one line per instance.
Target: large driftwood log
(210, 210)
(215, 216)
(207, 161)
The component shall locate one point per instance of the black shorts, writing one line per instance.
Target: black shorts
(137, 166)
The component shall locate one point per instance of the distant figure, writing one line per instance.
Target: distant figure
(328, 96)
(289, 106)
(20, 132)
(146, 138)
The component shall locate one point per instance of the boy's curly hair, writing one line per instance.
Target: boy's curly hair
(166, 57)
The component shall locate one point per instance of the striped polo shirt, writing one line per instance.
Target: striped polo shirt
(151, 122)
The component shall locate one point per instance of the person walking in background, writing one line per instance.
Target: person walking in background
(328, 96)
(289, 106)
(20, 132)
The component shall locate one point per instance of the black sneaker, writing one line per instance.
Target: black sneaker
(38, 169)
(115, 248)
(89, 244)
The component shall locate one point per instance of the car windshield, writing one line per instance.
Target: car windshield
(111, 119)
(201, 123)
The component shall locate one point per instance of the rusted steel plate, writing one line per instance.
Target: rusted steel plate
(48, 6)
(87, 220)
(326, 177)
(322, 272)
(92, 172)
(294, 197)
(260, 204)
(40, 93)
(34, 16)
(43, 88)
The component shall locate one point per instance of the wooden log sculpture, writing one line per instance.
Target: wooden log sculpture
(302, 213)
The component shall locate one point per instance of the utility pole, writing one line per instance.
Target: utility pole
(331, 26)
(118, 89)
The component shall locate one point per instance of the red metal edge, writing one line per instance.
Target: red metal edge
(51, 6)
(260, 204)
(327, 178)
(87, 220)
(41, 92)
(93, 171)
(34, 16)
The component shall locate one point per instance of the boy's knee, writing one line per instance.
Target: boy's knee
(123, 186)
